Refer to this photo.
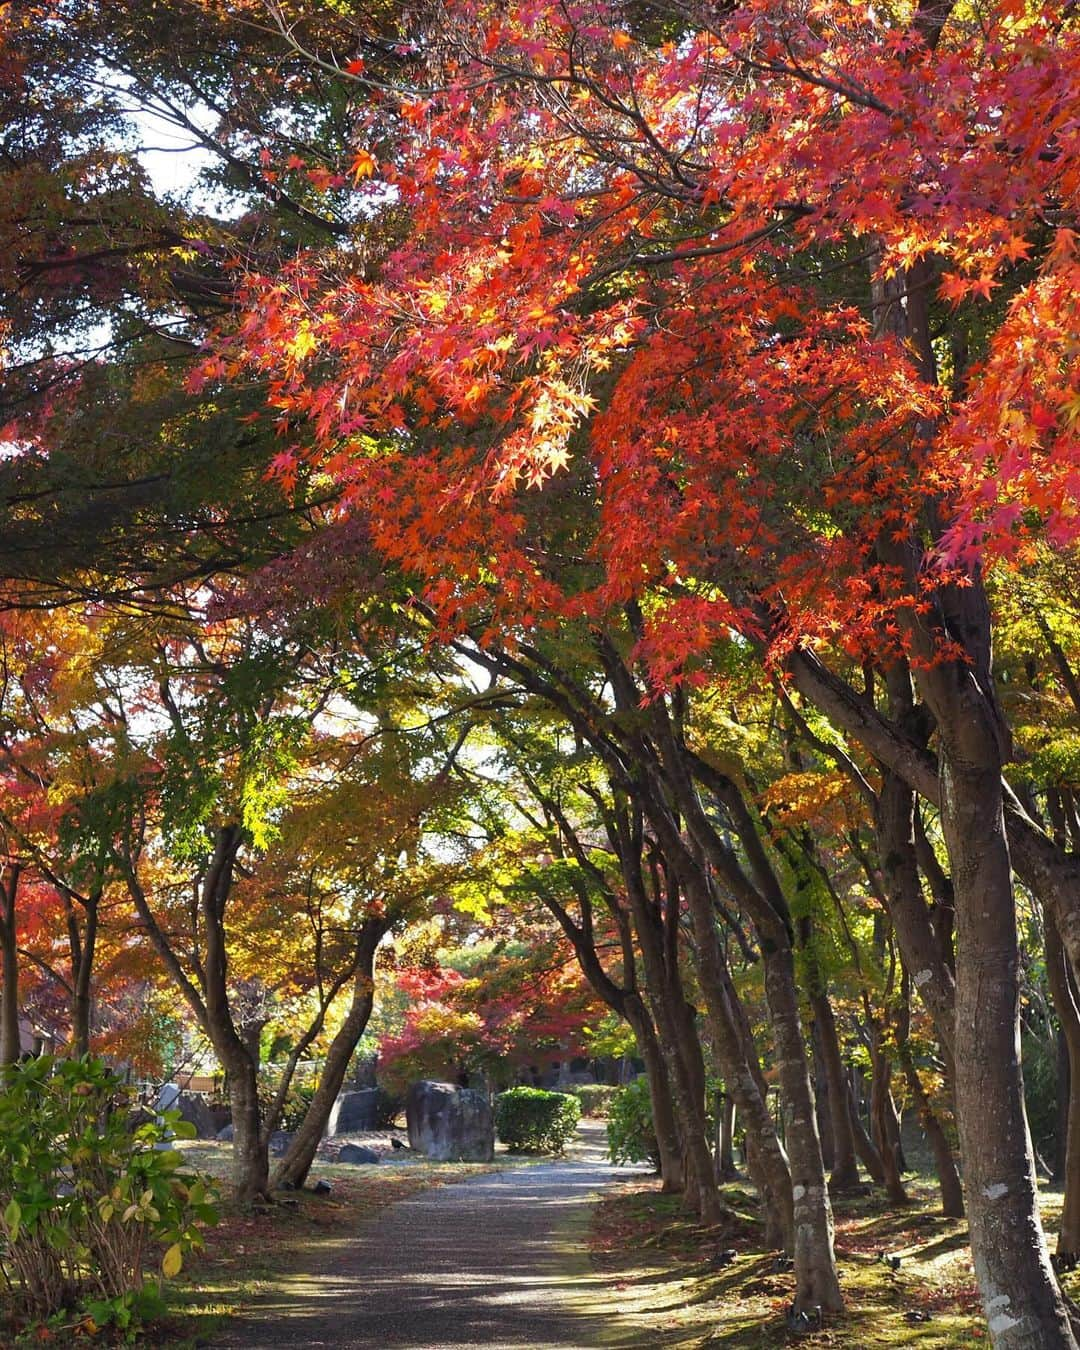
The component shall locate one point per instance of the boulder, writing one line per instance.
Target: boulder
(168, 1095)
(225, 1134)
(279, 1142)
(193, 1108)
(357, 1153)
(354, 1112)
(450, 1124)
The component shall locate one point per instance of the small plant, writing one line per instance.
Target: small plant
(630, 1133)
(529, 1120)
(595, 1098)
(90, 1202)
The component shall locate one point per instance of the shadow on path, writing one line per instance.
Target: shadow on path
(496, 1261)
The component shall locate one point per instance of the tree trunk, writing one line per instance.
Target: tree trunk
(822, 1099)
(864, 1145)
(1063, 993)
(952, 1193)
(816, 1284)
(665, 1127)
(845, 1169)
(250, 1158)
(667, 1005)
(82, 986)
(881, 1107)
(725, 1138)
(294, 1167)
(9, 967)
(1023, 1304)
(771, 1173)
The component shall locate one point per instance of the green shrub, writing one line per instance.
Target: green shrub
(529, 1120)
(595, 1098)
(88, 1203)
(630, 1125)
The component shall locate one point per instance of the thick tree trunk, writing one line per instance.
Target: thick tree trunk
(816, 1283)
(250, 1157)
(845, 1168)
(1023, 1304)
(294, 1167)
(1065, 1005)
(9, 967)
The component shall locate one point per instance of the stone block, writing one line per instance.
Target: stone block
(450, 1124)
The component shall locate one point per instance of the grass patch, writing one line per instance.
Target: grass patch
(674, 1290)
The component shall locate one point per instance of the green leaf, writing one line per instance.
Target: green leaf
(172, 1261)
(12, 1219)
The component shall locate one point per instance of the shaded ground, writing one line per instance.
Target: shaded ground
(499, 1260)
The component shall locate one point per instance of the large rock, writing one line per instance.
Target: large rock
(357, 1153)
(279, 1143)
(194, 1108)
(450, 1124)
(354, 1112)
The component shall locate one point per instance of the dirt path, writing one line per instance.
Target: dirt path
(496, 1261)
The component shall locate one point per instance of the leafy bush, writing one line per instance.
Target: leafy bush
(87, 1200)
(595, 1098)
(529, 1120)
(630, 1125)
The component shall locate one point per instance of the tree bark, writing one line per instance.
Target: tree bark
(845, 1168)
(294, 1167)
(1063, 993)
(881, 1107)
(1023, 1304)
(9, 966)
(864, 1145)
(725, 1135)
(816, 1283)
(952, 1194)
(82, 1002)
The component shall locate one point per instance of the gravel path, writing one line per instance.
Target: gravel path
(497, 1261)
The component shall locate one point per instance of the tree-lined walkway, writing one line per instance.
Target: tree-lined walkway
(499, 1260)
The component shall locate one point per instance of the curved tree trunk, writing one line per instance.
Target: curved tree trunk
(294, 1167)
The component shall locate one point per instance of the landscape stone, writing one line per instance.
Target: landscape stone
(354, 1112)
(450, 1124)
(357, 1153)
(279, 1142)
(194, 1109)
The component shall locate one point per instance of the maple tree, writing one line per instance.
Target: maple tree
(775, 304)
(631, 247)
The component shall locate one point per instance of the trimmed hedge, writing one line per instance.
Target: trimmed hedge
(529, 1120)
(595, 1098)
